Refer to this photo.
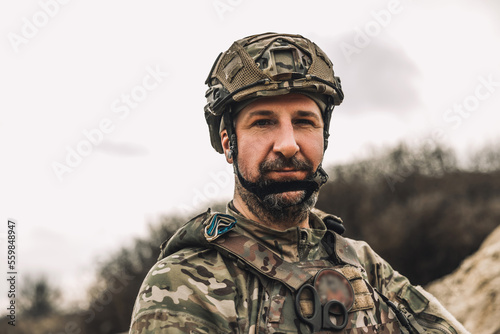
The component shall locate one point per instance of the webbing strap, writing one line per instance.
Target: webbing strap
(262, 259)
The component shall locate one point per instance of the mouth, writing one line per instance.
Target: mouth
(280, 178)
(285, 170)
(284, 174)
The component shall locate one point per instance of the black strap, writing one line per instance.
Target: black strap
(401, 317)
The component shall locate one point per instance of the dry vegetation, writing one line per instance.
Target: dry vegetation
(416, 208)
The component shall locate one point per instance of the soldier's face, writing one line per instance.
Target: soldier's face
(280, 139)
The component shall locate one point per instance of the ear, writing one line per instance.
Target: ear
(224, 139)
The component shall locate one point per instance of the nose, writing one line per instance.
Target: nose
(285, 142)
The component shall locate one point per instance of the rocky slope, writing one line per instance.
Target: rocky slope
(472, 292)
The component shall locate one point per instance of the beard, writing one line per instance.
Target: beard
(285, 209)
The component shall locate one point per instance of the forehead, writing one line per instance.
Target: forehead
(286, 104)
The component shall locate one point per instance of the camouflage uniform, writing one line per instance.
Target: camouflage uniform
(245, 281)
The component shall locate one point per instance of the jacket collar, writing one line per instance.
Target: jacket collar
(288, 244)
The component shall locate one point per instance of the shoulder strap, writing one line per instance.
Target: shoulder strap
(235, 246)
(265, 261)
(261, 259)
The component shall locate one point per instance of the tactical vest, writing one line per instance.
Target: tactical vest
(281, 311)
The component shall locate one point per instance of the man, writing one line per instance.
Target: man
(273, 263)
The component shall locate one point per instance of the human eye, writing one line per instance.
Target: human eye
(305, 122)
(263, 122)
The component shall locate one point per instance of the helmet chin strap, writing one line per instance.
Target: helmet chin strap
(309, 185)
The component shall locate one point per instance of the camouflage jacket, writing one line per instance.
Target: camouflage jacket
(246, 281)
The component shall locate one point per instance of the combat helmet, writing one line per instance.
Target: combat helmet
(265, 65)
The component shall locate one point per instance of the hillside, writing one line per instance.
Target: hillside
(472, 292)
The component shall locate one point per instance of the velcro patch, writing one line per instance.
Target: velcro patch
(218, 225)
(362, 297)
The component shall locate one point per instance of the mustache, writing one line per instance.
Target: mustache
(281, 162)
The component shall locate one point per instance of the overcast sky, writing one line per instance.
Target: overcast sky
(102, 127)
